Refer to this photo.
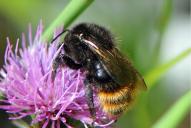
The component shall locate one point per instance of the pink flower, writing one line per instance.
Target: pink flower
(26, 85)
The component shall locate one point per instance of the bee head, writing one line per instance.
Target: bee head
(75, 41)
(75, 48)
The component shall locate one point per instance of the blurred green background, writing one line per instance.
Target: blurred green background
(149, 32)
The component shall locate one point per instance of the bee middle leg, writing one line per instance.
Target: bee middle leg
(89, 97)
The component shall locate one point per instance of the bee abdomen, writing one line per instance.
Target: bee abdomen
(115, 109)
(116, 102)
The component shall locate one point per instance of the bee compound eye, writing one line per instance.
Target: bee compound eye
(66, 49)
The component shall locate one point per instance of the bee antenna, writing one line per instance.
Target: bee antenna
(55, 38)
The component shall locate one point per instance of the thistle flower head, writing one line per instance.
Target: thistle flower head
(26, 85)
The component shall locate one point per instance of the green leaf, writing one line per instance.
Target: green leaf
(67, 16)
(177, 112)
(154, 75)
(165, 16)
(161, 26)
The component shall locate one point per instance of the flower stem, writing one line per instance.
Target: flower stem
(176, 113)
(69, 14)
(161, 26)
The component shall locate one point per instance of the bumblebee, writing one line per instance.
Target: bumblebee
(93, 48)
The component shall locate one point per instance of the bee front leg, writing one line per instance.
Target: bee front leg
(55, 64)
(62, 60)
(89, 98)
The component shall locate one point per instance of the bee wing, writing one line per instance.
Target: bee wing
(117, 66)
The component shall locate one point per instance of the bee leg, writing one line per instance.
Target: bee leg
(55, 64)
(89, 98)
(62, 60)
